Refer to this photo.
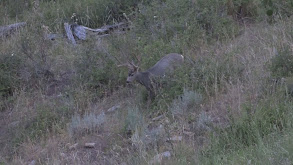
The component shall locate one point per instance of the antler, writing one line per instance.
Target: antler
(121, 65)
(132, 63)
(128, 65)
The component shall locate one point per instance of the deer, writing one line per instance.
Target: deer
(165, 65)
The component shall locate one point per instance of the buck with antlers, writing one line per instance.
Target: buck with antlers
(164, 66)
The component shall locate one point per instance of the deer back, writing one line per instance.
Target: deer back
(167, 64)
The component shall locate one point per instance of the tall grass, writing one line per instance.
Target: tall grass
(224, 101)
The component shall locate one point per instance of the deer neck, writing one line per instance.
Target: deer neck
(143, 78)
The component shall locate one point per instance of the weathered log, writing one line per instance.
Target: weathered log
(108, 28)
(89, 145)
(80, 32)
(69, 33)
(10, 29)
(53, 36)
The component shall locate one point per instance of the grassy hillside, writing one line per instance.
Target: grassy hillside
(231, 102)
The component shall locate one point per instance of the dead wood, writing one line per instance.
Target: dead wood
(7, 30)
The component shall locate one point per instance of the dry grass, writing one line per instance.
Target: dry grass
(252, 50)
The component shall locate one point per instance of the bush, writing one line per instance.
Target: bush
(9, 73)
(89, 123)
(49, 117)
(191, 21)
(186, 103)
(97, 71)
(282, 64)
(275, 8)
(269, 116)
(15, 8)
(25, 63)
(133, 119)
(90, 13)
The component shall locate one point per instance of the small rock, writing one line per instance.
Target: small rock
(188, 133)
(157, 118)
(113, 109)
(167, 121)
(158, 158)
(13, 124)
(73, 147)
(89, 145)
(62, 154)
(33, 162)
(175, 138)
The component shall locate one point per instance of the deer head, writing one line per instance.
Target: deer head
(162, 67)
(132, 71)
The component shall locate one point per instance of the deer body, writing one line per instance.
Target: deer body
(164, 66)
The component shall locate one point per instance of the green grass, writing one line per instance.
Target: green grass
(226, 73)
(262, 136)
(275, 148)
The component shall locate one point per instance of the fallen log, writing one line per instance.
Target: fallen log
(7, 30)
(69, 33)
(82, 32)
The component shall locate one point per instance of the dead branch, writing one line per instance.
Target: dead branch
(81, 32)
(7, 30)
(69, 33)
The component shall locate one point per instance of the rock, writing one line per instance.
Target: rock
(89, 145)
(158, 158)
(113, 109)
(73, 147)
(33, 162)
(157, 118)
(175, 138)
(62, 155)
(188, 133)
(14, 124)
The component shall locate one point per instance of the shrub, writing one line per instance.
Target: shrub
(97, 71)
(203, 123)
(89, 123)
(185, 103)
(49, 117)
(282, 64)
(15, 8)
(269, 116)
(26, 62)
(41, 120)
(133, 119)
(91, 13)
(9, 73)
(275, 8)
(191, 21)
